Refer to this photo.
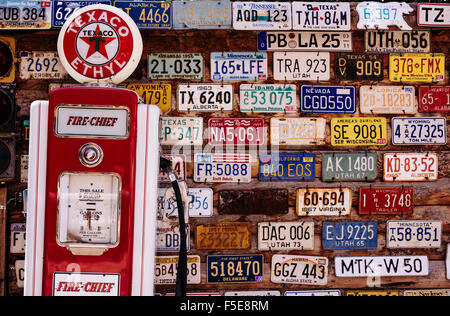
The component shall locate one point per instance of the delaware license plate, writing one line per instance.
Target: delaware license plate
(298, 269)
(235, 269)
(324, 202)
(41, 65)
(287, 167)
(268, 98)
(414, 234)
(181, 131)
(222, 168)
(159, 94)
(168, 237)
(397, 41)
(22, 15)
(236, 131)
(386, 200)
(359, 131)
(222, 236)
(262, 16)
(356, 67)
(178, 166)
(63, 9)
(349, 235)
(172, 66)
(434, 99)
(313, 293)
(166, 268)
(327, 99)
(419, 131)
(230, 66)
(417, 67)
(321, 16)
(349, 167)
(201, 204)
(201, 14)
(289, 66)
(410, 167)
(387, 100)
(433, 14)
(297, 131)
(148, 14)
(273, 236)
(205, 97)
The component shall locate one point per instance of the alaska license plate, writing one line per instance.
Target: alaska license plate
(159, 94)
(417, 67)
(178, 166)
(166, 268)
(148, 14)
(181, 131)
(356, 67)
(202, 14)
(349, 235)
(168, 237)
(274, 236)
(324, 202)
(41, 65)
(222, 236)
(359, 131)
(410, 167)
(173, 66)
(414, 234)
(235, 269)
(268, 98)
(22, 15)
(236, 131)
(327, 99)
(297, 269)
(397, 41)
(297, 131)
(387, 100)
(419, 131)
(433, 14)
(205, 97)
(201, 204)
(349, 167)
(63, 9)
(305, 66)
(233, 66)
(287, 167)
(321, 16)
(434, 99)
(262, 16)
(386, 200)
(222, 168)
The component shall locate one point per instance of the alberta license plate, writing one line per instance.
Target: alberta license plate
(324, 202)
(359, 131)
(178, 166)
(327, 99)
(41, 65)
(205, 97)
(433, 14)
(349, 235)
(297, 131)
(410, 167)
(321, 16)
(419, 131)
(397, 41)
(417, 67)
(172, 66)
(201, 204)
(148, 14)
(358, 67)
(63, 9)
(235, 269)
(297, 269)
(387, 100)
(273, 236)
(262, 16)
(236, 131)
(159, 94)
(268, 98)
(386, 200)
(166, 268)
(201, 14)
(305, 66)
(231, 66)
(414, 234)
(349, 167)
(434, 99)
(222, 236)
(287, 167)
(222, 168)
(181, 131)
(168, 237)
(25, 14)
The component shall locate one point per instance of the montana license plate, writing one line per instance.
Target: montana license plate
(273, 236)
(268, 98)
(397, 41)
(181, 131)
(236, 131)
(287, 167)
(387, 100)
(232, 66)
(417, 67)
(262, 16)
(349, 167)
(148, 14)
(297, 269)
(201, 14)
(356, 67)
(386, 200)
(205, 97)
(172, 66)
(235, 269)
(410, 167)
(327, 99)
(297, 131)
(23, 15)
(321, 16)
(159, 94)
(63, 9)
(349, 235)
(419, 131)
(414, 234)
(166, 270)
(433, 14)
(308, 66)
(201, 204)
(324, 202)
(222, 236)
(434, 99)
(41, 65)
(359, 131)
(222, 168)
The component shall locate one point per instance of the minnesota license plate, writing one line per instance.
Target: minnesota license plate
(236, 131)
(168, 237)
(417, 67)
(372, 293)
(148, 14)
(235, 269)
(172, 66)
(419, 131)
(327, 99)
(313, 293)
(63, 9)
(414, 234)
(205, 97)
(307, 66)
(41, 65)
(166, 268)
(201, 204)
(296, 269)
(23, 15)
(268, 98)
(386, 200)
(262, 16)
(222, 168)
(410, 167)
(321, 16)
(434, 99)
(356, 67)
(359, 131)
(387, 100)
(178, 166)
(349, 235)
(287, 167)
(181, 131)
(324, 202)
(349, 167)
(222, 236)
(433, 14)
(231, 66)
(201, 14)
(297, 131)
(159, 94)
(273, 236)
(397, 41)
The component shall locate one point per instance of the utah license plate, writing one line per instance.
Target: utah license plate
(433, 14)
(410, 167)
(172, 66)
(349, 235)
(387, 100)
(205, 97)
(324, 202)
(201, 204)
(148, 14)
(434, 99)
(386, 200)
(287, 167)
(297, 131)
(222, 236)
(262, 16)
(268, 98)
(356, 67)
(63, 9)
(275, 236)
(166, 270)
(222, 168)
(201, 14)
(297, 269)
(308, 66)
(349, 167)
(25, 14)
(414, 234)
(359, 131)
(236, 131)
(235, 269)
(417, 67)
(159, 94)
(231, 66)
(321, 16)
(327, 99)
(397, 41)
(181, 131)
(419, 131)
(41, 65)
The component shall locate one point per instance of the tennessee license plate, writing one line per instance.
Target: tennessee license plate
(307, 66)
(231, 66)
(327, 99)
(268, 98)
(168, 237)
(235, 269)
(386, 200)
(433, 14)
(387, 100)
(201, 204)
(181, 131)
(434, 99)
(349, 167)
(262, 16)
(324, 202)
(321, 16)
(349, 235)
(287, 167)
(356, 67)
(41, 65)
(201, 14)
(172, 66)
(397, 41)
(25, 14)
(359, 131)
(414, 234)
(419, 131)
(166, 268)
(159, 94)
(417, 67)
(205, 97)
(410, 167)
(63, 9)
(222, 236)
(222, 168)
(148, 14)
(297, 131)
(297, 269)
(178, 166)
(273, 236)
(236, 131)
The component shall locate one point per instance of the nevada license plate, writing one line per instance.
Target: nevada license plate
(298, 269)
(387, 100)
(235, 269)
(397, 41)
(166, 268)
(231, 66)
(172, 66)
(25, 14)
(178, 166)
(433, 14)
(434, 99)
(222, 236)
(273, 236)
(321, 16)
(359, 131)
(41, 65)
(414, 234)
(419, 131)
(205, 97)
(297, 131)
(168, 237)
(201, 14)
(262, 16)
(222, 168)
(287, 167)
(159, 94)
(327, 99)
(181, 131)
(349, 235)
(349, 167)
(417, 67)
(236, 131)
(268, 98)
(356, 67)
(386, 200)
(201, 204)
(410, 167)
(288, 66)
(324, 202)
(313, 293)
(63, 9)
(148, 14)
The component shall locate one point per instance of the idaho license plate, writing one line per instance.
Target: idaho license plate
(172, 66)
(231, 66)
(305, 66)
(433, 14)
(387, 100)
(327, 99)
(22, 15)
(205, 97)
(222, 168)
(168, 237)
(356, 67)
(181, 131)
(235, 269)
(349, 235)
(236, 131)
(349, 167)
(41, 65)
(287, 167)
(359, 131)
(148, 14)
(324, 202)
(414, 234)
(166, 268)
(268, 98)
(410, 167)
(297, 269)
(417, 67)
(159, 94)
(434, 99)
(222, 236)
(178, 166)
(201, 14)
(386, 200)
(419, 131)
(262, 16)
(321, 16)
(63, 9)
(273, 236)
(397, 41)
(297, 131)
(201, 204)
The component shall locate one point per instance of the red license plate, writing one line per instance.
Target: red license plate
(236, 131)
(434, 99)
(386, 200)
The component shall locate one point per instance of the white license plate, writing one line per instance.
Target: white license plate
(168, 237)
(285, 236)
(252, 293)
(222, 168)
(178, 166)
(181, 131)
(201, 204)
(166, 268)
(25, 14)
(387, 100)
(447, 261)
(321, 16)
(297, 131)
(410, 167)
(41, 65)
(313, 293)
(19, 267)
(419, 131)
(234, 66)
(305, 66)
(414, 234)
(24, 168)
(433, 14)
(397, 41)
(205, 97)
(17, 238)
(297, 269)
(171, 66)
(268, 98)
(324, 202)
(262, 16)
(376, 15)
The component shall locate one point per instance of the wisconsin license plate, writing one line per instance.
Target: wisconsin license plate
(178, 166)
(321, 16)
(201, 204)
(168, 237)
(159, 94)
(359, 131)
(417, 67)
(202, 14)
(273, 236)
(386, 200)
(397, 41)
(410, 167)
(289, 66)
(297, 131)
(298, 269)
(349, 235)
(222, 168)
(387, 100)
(324, 202)
(148, 14)
(419, 131)
(222, 236)
(205, 97)
(181, 131)
(433, 14)
(236, 131)
(356, 67)
(25, 14)
(166, 268)
(63, 9)
(41, 65)
(327, 99)
(262, 16)
(414, 234)
(246, 66)
(287, 167)
(268, 98)
(172, 66)
(434, 99)
(235, 269)
(349, 167)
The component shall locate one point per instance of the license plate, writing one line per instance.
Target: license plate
(298, 269)
(372, 293)
(222, 168)
(41, 65)
(433, 14)
(159, 94)
(19, 267)
(287, 167)
(387, 100)
(205, 97)
(447, 262)
(172, 66)
(419, 131)
(25, 14)
(166, 268)
(289, 66)
(201, 204)
(63, 9)
(235, 269)
(417, 67)
(251, 202)
(324, 202)
(305, 41)
(385, 266)
(168, 237)
(178, 166)
(262, 16)
(313, 293)
(236, 131)
(268, 98)
(414, 234)
(252, 293)
(297, 131)
(356, 67)
(181, 131)
(359, 131)
(349, 235)
(222, 236)
(273, 236)
(148, 14)
(386, 200)
(201, 14)
(349, 167)
(397, 41)
(426, 293)
(376, 15)
(24, 161)
(321, 16)
(410, 167)
(17, 238)
(434, 99)
(327, 99)
(230, 66)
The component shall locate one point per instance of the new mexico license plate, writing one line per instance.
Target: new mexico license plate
(22, 15)
(273, 236)
(201, 204)
(268, 98)
(419, 131)
(297, 131)
(148, 14)
(358, 67)
(236, 131)
(327, 99)
(222, 236)
(386, 200)
(298, 269)
(359, 131)
(417, 67)
(166, 270)
(308, 66)
(205, 97)
(172, 66)
(324, 202)
(349, 167)
(262, 16)
(235, 269)
(159, 94)
(387, 100)
(410, 167)
(41, 65)
(397, 41)
(434, 99)
(414, 234)
(201, 14)
(287, 167)
(231, 66)
(181, 131)
(222, 168)
(321, 16)
(349, 235)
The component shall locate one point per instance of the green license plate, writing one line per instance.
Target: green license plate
(349, 167)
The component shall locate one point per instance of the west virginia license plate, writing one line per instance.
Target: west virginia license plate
(387, 100)
(222, 168)
(262, 16)
(434, 99)
(166, 268)
(417, 67)
(321, 16)
(327, 99)
(414, 234)
(181, 131)
(359, 131)
(41, 65)
(268, 98)
(231, 66)
(222, 236)
(287, 167)
(297, 131)
(289, 66)
(324, 202)
(410, 167)
(63, 9)
(148, 14)
(205, 97)
(419, 131)
(201, 14)
(159, 94)
(236, 131)
(349, 167)
(386, 200)
(235, 269)
(273, 236)
(349, 235)
(397, 41)
(25, 14)
(172, 66)
(297, 269)
(356, 67)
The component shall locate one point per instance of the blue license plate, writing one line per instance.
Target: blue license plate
(327, 99)
(148, 14)
(349, 235)
(202, 14)
(235, 269)
(63, 9)
(287, 167)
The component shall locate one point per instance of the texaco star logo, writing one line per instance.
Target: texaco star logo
(97, 43)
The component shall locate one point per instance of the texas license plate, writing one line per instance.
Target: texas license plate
(324, 202)
(236, 131)
(172, 66)
(181, 131)
(231, 66)
(297, 269)
(410, 167)
(386, 200)
(222, 168)
(41, 65)
(327, 99)
(235, 269)
(178, 166)
(414, 234)
(287, 167)
(273, 236)
(356, 67)
(417, 67)
(201, 14)
(159, 94)
(201, 204)
(168, 237)
(297, 131)
(205, 97)
(359, 131)
(25, 14)
(349, 167)
(148, 14)
(419, 131)
(434, 99)
(63, 9)
(222, 236)
(433, 14)
(387, 100)
(321, 16)
(166, 268)
(268, 98)
(349, 235)
(305, 66)
(397, 41)
(313, 293)
(262, 16)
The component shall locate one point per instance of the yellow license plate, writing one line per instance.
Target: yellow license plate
(417, 67)
(372, 293)
(221, 236)
(358, 131)
(159, 94)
